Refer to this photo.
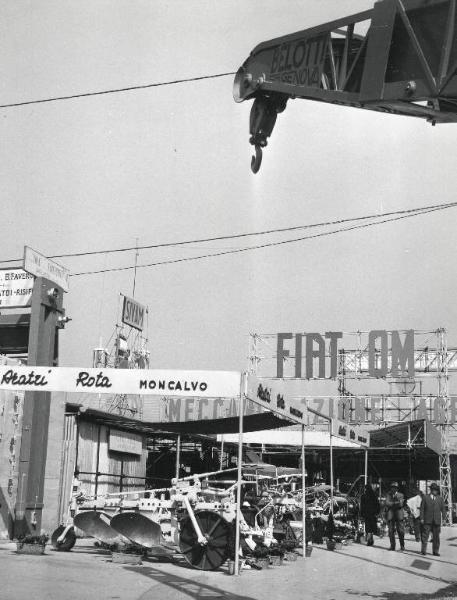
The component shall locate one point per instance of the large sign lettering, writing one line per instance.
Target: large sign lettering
(208, 384)
(133, 313)
(368, 410)
(175, 410)
(16, 287)
(315, 356)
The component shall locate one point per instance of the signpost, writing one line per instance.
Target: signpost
(40, 266)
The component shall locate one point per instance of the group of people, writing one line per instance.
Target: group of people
(427, 511)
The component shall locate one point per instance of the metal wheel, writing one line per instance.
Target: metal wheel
(210, 556)
(67, 543)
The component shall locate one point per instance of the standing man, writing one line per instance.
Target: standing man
(395, 501)
(414, 505)
(369, 509)
(431, 512)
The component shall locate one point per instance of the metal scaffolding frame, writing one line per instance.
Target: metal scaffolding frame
(445, 466)
(432, 363)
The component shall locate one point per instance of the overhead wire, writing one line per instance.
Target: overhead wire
(270, 244)
(115, 90)
(243, 235)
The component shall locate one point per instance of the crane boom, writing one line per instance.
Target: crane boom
(400, 57)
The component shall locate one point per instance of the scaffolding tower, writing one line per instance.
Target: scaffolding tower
(433, 362)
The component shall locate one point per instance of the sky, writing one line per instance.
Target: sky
(172, 163)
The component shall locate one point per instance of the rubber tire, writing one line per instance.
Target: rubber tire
(68, 542)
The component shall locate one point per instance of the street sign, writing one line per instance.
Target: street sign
(352, 433)
(40, 266)
(271, 396)
(16, 286)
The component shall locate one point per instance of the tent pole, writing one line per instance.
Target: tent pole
(331, 465)
(178, 454)
(221, 462)
(366, 466)
(303, 482)
(239, 476)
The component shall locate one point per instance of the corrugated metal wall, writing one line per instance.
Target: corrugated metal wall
(68, 465)
(102, 471)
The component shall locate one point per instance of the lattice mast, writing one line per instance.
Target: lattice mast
(443, 399)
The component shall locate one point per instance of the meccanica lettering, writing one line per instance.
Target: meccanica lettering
(173, 386)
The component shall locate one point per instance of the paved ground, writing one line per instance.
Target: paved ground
(356, 572)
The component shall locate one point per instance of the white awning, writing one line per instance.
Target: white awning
(279, 437)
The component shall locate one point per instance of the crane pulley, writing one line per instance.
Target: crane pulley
(400, 57)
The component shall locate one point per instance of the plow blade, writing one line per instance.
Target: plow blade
(137, 528)
(97, 525)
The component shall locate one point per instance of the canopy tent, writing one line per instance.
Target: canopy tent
(411, 434)
(290, 437)
(391, 447)
(255, 422)
(400, 451)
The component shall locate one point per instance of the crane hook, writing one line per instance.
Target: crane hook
(256, 160)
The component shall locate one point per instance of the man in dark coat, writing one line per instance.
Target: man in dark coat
(432, 510)
(369, 510)
(395, 501)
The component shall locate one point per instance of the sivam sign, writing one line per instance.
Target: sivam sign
(133, 313)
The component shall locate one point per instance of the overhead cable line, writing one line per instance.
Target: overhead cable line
(243, 235)
(115, 91)
(268, 245)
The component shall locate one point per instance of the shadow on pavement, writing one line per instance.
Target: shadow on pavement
(451, 586)
(185, 587)
(428, 557)
(449, 591)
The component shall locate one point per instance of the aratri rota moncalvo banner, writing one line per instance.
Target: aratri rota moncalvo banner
(202, 384)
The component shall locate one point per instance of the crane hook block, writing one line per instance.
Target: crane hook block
(397, 58)
(263, 116)
(256, 160)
